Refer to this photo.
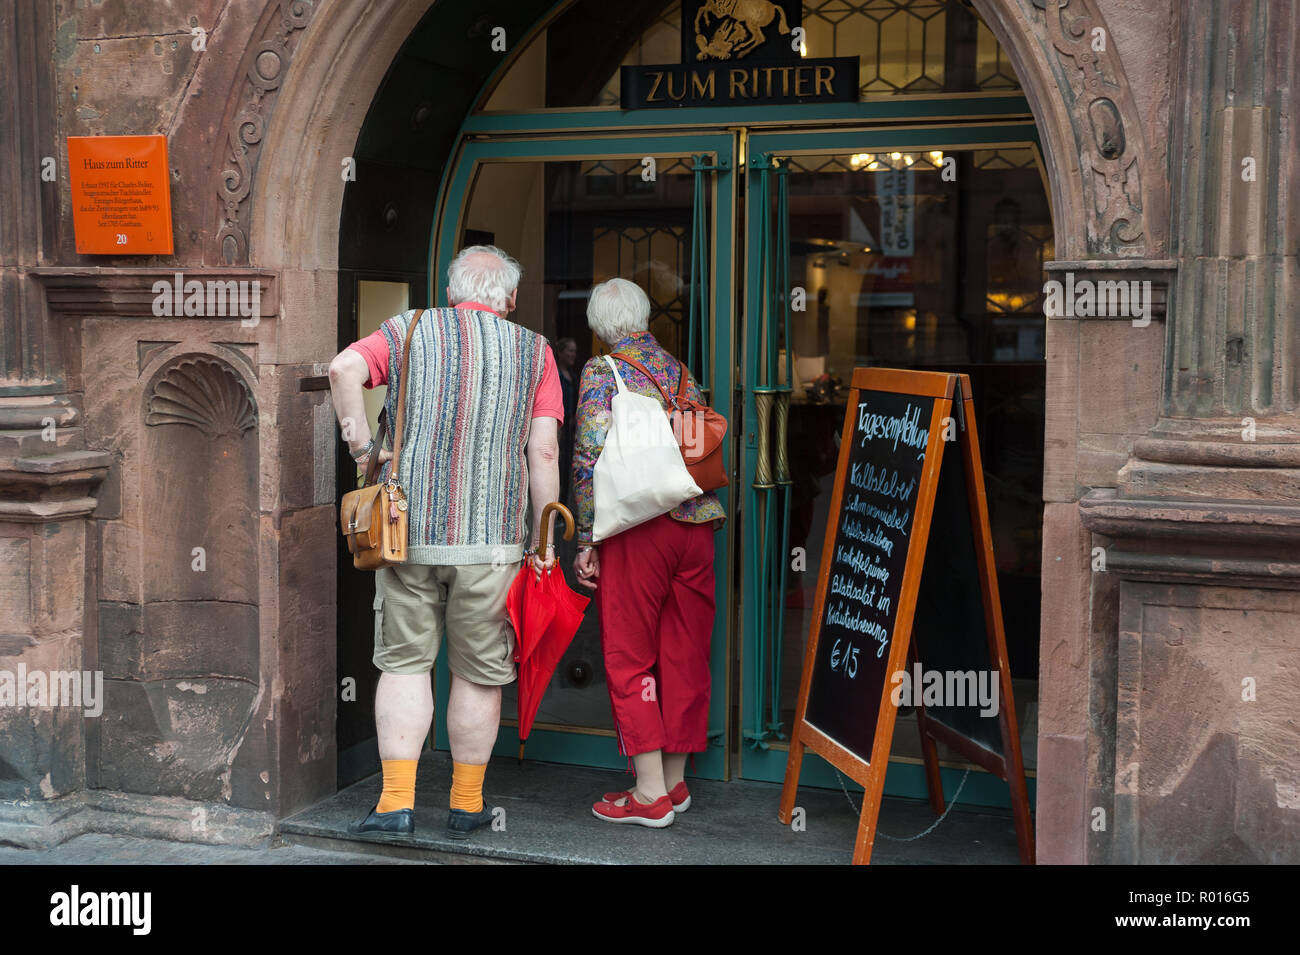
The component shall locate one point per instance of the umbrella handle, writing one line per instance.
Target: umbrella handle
(568, 522)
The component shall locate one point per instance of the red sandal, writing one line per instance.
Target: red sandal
(679, 794)
(658, 815)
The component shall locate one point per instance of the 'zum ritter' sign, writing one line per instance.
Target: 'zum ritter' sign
(741, 53)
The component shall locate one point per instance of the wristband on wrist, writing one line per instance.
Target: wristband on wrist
(358, 455)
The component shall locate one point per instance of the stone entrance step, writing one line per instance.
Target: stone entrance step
(546, 818)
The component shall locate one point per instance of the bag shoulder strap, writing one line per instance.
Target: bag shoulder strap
(372, 466)
(401, 396)
(618, 379)
(681, 381)
(641, 368)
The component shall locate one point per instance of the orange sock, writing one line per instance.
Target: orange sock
(399, 785)
(467, 786)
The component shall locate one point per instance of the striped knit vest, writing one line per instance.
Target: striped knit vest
(469, 410)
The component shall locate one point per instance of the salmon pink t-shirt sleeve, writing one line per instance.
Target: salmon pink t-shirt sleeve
(374, 349)
(549, 400)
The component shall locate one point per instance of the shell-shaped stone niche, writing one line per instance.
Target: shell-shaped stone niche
(204, 393)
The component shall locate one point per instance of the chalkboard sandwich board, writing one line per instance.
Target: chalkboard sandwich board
(907, 589)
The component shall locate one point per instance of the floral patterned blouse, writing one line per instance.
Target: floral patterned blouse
(595, 395)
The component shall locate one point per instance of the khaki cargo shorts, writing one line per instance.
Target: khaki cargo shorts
(413, 602)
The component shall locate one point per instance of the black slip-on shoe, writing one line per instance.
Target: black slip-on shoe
(399, 822)
(461, 823)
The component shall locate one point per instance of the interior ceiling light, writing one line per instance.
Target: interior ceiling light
(933, 159)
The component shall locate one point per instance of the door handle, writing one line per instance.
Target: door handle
(782, 413)
(762, 427)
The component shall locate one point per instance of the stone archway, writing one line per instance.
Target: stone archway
(1106, 199)
(336, 71)
(1105, 205)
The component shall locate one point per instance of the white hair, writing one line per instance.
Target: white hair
(617, 308)
(473, 277)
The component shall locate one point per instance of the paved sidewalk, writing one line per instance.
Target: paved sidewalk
(101, 849)
(547, 818)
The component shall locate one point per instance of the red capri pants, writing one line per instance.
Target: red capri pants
(655, 596)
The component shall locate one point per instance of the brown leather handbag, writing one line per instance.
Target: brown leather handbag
(698, 428)
(373, 518)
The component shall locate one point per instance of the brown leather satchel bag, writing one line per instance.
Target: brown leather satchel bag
(698, 428)
(373, 518)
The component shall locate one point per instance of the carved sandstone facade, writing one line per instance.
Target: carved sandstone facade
(135, 450)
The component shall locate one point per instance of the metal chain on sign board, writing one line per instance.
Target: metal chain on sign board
(933, 826)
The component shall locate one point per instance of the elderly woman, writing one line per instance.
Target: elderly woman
(654, 582)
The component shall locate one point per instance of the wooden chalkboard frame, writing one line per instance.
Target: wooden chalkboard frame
(947, 390)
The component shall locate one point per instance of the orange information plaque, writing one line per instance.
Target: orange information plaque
(121, 198)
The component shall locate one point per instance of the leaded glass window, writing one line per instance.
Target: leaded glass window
(905, 46)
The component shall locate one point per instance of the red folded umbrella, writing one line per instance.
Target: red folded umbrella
(546, 614)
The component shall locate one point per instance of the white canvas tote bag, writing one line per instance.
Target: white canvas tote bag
(640, 473)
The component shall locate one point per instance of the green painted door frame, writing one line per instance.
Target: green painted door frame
(585, 747)
(763, 547)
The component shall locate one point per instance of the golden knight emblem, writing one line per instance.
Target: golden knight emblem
(735, 27)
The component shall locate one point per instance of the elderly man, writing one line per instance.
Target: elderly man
(483, 406)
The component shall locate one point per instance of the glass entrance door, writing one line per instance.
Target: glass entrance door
(913, 248)
(907, 248)
(657, 210)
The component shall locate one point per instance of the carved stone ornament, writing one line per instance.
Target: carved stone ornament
(268, 60)
(1088, 69)
(204, 393)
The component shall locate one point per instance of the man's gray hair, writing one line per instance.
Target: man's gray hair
(617, 308)
(472, 277)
